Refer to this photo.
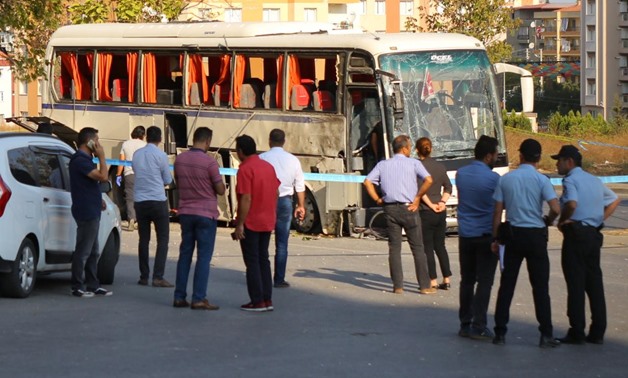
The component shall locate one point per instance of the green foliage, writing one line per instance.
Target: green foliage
(482, 19)
(575, 125)
(620, 118)
(556, 97)
(148, 11)
(31, 22)
(89, 12)
(518, 121)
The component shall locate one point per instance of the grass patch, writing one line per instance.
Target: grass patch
(598, 160)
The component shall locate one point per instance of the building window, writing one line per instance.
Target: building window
(590, 87)
(380, 7)
(362, 7)
(310, 14)
(40, 86)
(271, 14)
(590, 7)
(23, 87)
(233, 15)
(406, 7)
(591, 60)
(590, 33)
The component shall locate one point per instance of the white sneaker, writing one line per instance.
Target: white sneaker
(82, 294)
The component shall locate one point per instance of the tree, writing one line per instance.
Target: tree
(130, 11)
(485, 20)
(31, 23)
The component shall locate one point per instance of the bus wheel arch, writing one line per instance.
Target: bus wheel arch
(312, 222)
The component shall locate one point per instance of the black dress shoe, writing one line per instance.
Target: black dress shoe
(594, 340)
(569, 339)
(444, 286)
(548, 342)
(499, 340)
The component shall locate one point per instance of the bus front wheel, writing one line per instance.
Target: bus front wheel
(311, 224)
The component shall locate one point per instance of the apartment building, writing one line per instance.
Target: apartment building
(528, 41)
(371, 15)
(604, 80)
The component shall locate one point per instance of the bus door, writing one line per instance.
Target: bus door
(175, 141)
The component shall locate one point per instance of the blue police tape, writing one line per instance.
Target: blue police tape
(357, 179)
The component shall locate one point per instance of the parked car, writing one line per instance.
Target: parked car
(37, 230)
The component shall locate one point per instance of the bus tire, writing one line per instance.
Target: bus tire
(109, 259)
(312, 222)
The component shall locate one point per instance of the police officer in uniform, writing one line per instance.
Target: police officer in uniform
(585, 204)
(522, 193)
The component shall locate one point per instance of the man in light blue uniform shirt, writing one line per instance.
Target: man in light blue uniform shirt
(522, 193)
(476, 184)
(585, 204)
(398, 179)
(152, 173)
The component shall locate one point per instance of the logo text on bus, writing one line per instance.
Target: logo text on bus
(441, 59)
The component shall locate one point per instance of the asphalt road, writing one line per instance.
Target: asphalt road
(338, 319)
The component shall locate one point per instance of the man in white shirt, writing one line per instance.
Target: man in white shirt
(289, 172)
(126, 153)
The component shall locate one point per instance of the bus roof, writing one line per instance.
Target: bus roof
(253, 35)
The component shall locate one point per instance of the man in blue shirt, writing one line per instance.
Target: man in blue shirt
(476, 183)
(398, 179)
(521, 193)
(585, 204)
(87, 204)
(152, 173)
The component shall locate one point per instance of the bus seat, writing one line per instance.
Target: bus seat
(258, 87)
(248, 97)
(165, 96)
(221, 94)
(120, 90)
(270, 100)
(328, 85)
(299, 98)
(65, 87)
(196, 93)
(323, 101)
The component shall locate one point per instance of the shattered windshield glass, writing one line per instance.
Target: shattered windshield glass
(449, 96)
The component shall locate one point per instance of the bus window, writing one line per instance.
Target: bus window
(116, 76)
(162, 78)
(73, 75)
(255, 79)
(312, 82)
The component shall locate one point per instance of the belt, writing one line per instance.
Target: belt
(396, 203)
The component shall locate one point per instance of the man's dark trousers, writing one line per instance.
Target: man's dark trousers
(397, 217)
(259, 280)
(157, 213)
(581, 267)
(477, 266)
(529, 244)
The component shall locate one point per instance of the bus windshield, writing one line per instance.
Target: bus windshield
(449, 96)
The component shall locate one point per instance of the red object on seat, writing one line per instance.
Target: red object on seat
(300, 98)
(323, 101)
(120, 89)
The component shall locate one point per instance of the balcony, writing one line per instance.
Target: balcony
(623, 19)
(623, 73)
(623, 46)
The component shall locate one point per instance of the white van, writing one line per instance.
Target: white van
(37, 230)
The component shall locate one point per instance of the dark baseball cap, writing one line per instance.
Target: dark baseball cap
(568, 151)
(530, 148)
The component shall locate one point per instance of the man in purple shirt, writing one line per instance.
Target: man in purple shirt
(398, 179)
(198, 179)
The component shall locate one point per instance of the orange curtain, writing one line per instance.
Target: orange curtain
(131, 67)
(150, 78)
(82, 88)
(197, 74)
(225, 72)
(238, 79)
(279, 90)
(104, 70)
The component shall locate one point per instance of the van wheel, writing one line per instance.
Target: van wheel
(312, 222)
(109, 259)
(19, 283)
